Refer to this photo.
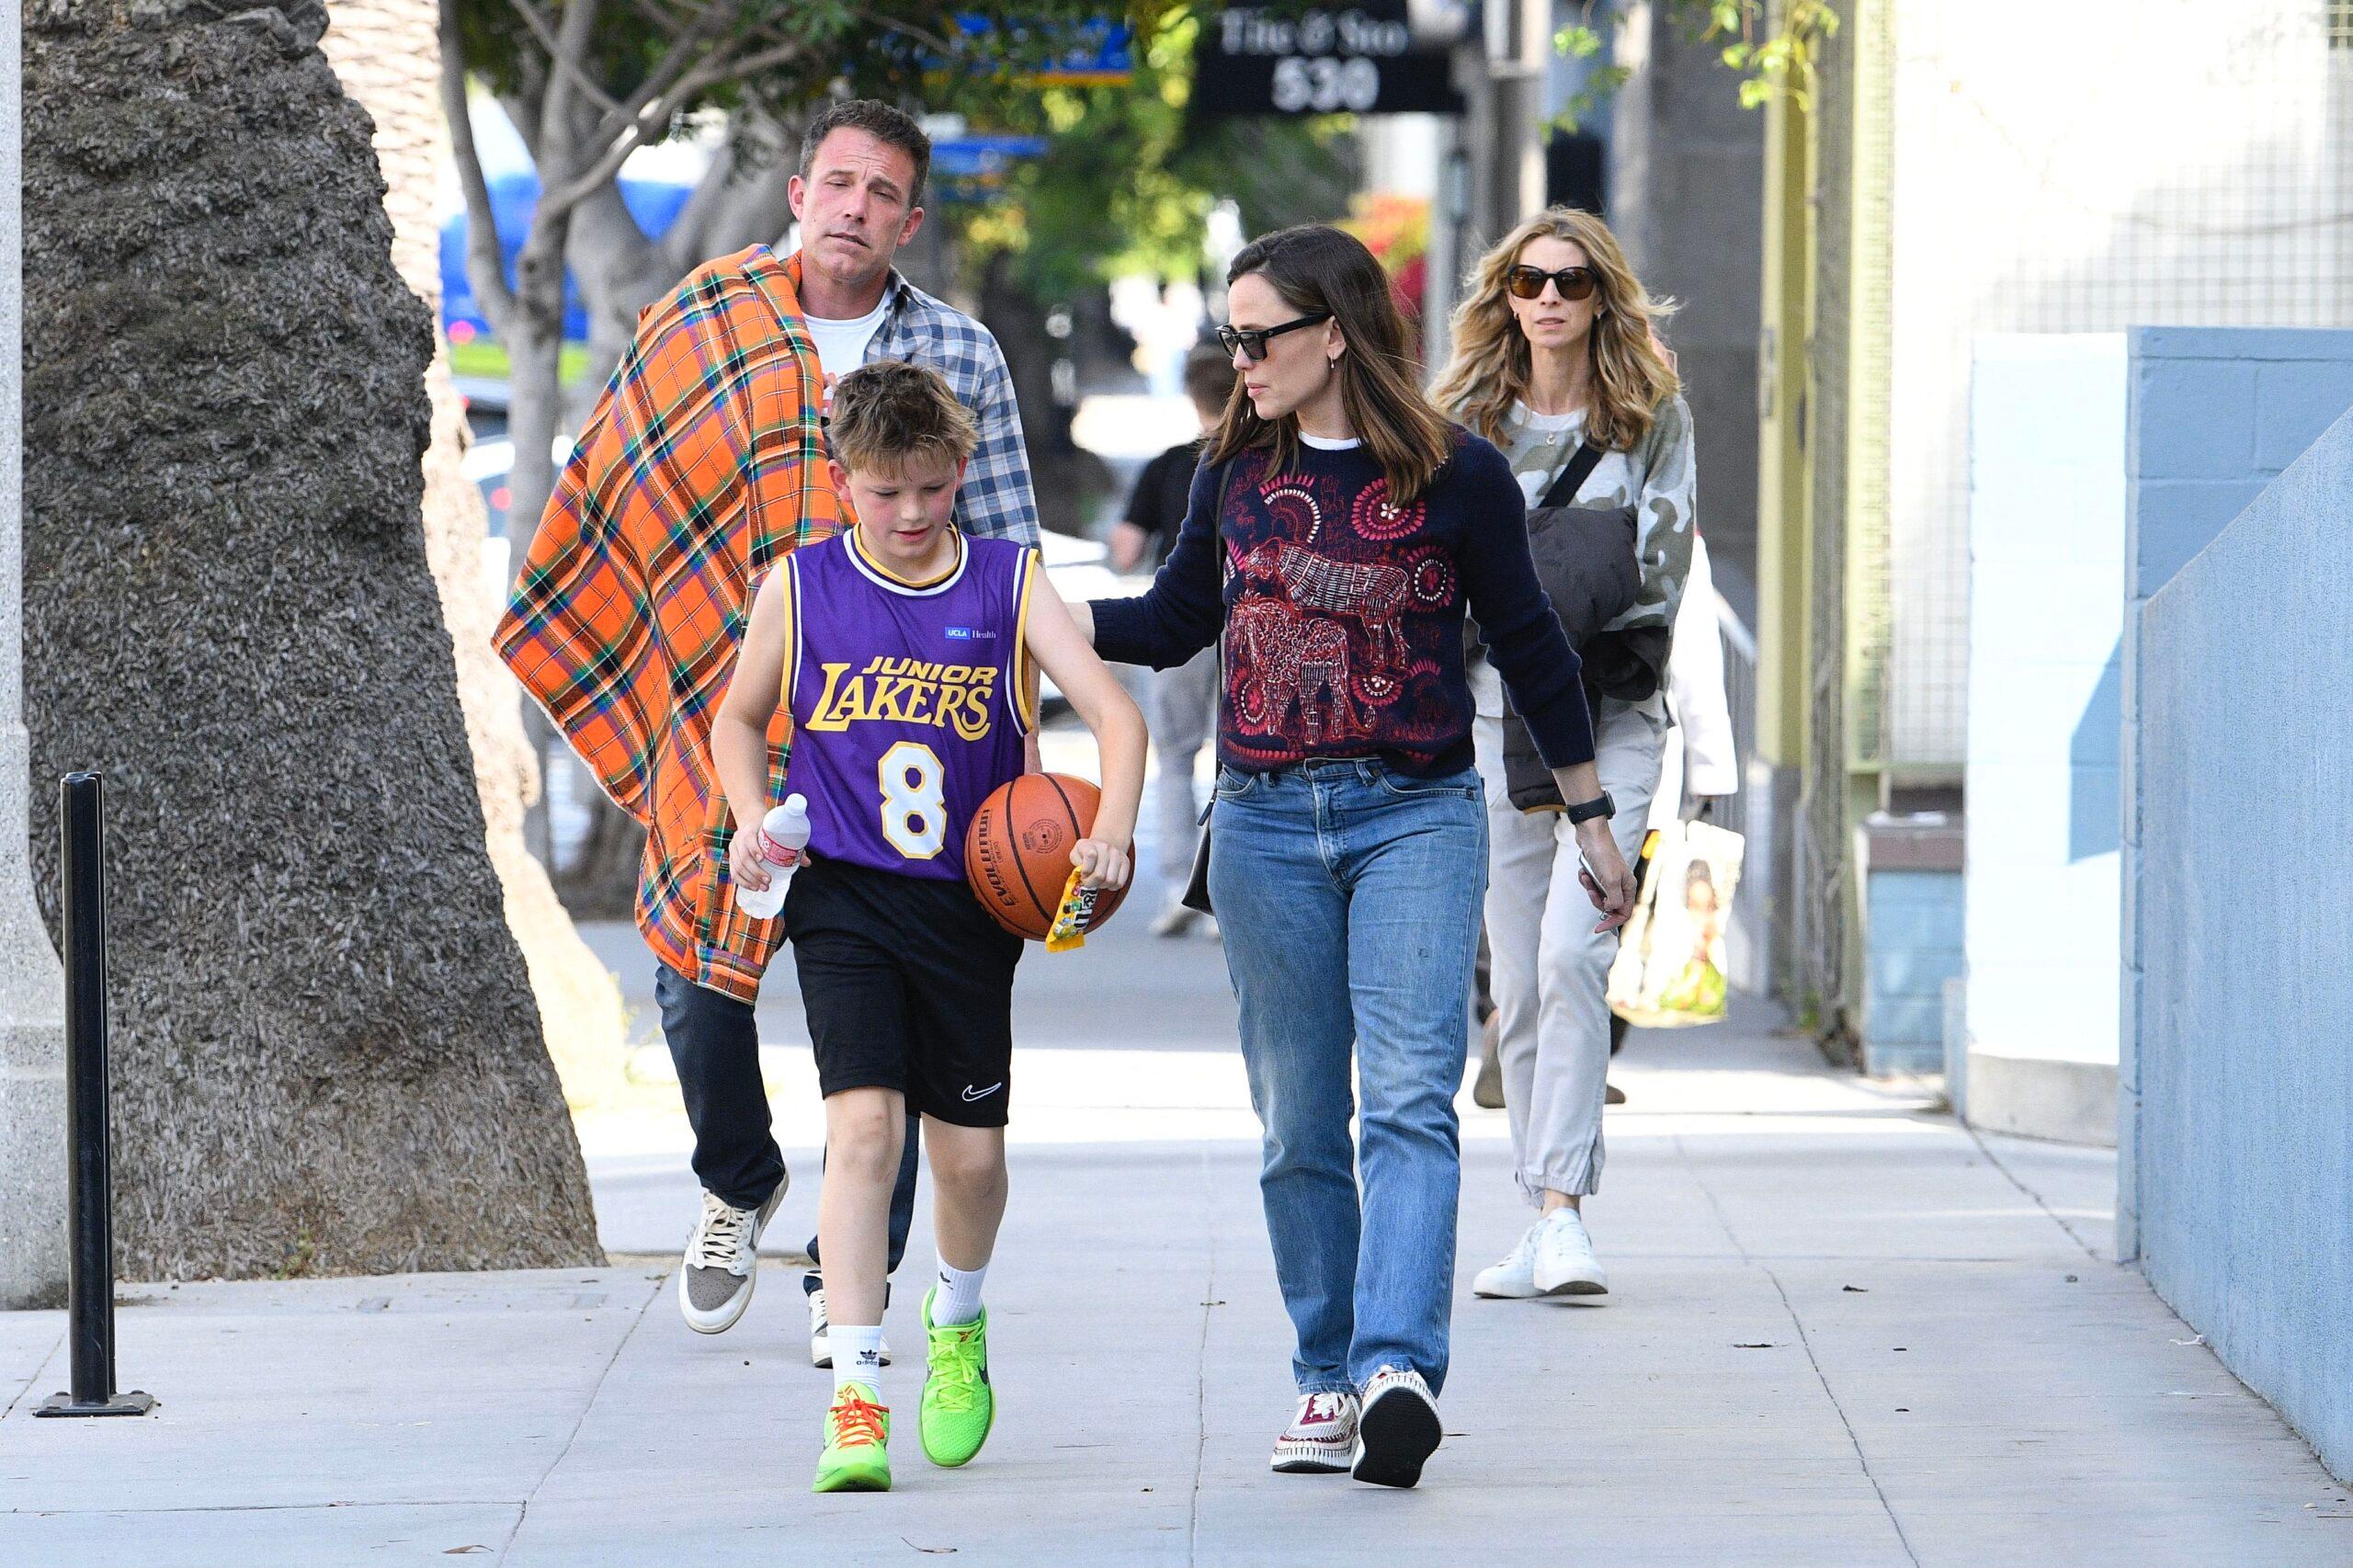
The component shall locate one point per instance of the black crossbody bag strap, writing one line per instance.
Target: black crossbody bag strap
(1581, 464)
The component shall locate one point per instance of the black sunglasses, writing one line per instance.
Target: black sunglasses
(1528, 282)
(1253, 342)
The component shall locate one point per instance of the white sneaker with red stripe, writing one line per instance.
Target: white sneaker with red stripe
(1321, 1439)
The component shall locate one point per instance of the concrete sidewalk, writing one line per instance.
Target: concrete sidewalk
(1844, 1332)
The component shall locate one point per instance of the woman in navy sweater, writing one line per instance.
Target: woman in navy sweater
(1337, 530)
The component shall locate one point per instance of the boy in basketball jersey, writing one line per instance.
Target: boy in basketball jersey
(902, 649)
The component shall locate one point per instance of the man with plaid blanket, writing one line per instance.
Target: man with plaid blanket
(703, 464)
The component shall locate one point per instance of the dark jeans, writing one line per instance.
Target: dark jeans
(715, 1042)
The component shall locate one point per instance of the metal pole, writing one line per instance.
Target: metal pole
(89, 1198)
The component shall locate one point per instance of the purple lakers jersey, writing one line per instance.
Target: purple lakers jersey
(907, 699)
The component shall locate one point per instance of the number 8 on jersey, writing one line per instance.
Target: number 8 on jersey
(907, 700)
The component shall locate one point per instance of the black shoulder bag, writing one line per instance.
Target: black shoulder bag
(1561, 536)
(1586, 559)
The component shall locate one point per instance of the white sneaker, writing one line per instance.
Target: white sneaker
(720, 1267)
(1174, 920)
(1320, 1438)
(1565, 1262)
(1399, 1429)
(821, 1340)
(1513, 1279)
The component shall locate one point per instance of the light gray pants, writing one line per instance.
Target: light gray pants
(1183, 703)
(1551, 970)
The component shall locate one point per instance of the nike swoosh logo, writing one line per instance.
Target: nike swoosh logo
(972, 1093)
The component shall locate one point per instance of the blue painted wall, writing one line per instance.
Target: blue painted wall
(2237, 1119)
(2046, 612)
(1914, 918)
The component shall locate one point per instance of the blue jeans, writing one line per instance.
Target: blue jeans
(1349, 896)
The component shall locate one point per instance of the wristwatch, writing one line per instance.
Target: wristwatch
(1600, 806)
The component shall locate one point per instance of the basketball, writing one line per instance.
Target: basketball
(1016, 853)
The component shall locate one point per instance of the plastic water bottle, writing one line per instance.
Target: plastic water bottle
(786, 827)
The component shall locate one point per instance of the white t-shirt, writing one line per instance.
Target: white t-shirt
(841, 344)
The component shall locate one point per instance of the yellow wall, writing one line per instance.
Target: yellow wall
(1784, 500)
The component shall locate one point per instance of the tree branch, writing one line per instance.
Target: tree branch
(555, 111)
(742, 196)
(563, 64)
(486, 268)
(694, 83)
(663, 21)
(921, 35)
(522, 111)
(678, 63)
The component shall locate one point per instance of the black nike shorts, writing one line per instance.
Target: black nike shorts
(908, 985)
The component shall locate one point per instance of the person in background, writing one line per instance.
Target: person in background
(1183, 701)
(1699, 769)
(1554, 349)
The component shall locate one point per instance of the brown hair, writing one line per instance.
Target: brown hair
(1491, 364)
(884, 122)
(891, 411)
(1210, 377)
(1317, 268)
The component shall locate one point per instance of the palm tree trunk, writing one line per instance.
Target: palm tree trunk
(329, 1055)
(387, 54)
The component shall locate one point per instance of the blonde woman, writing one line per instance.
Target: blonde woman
(1554, 349)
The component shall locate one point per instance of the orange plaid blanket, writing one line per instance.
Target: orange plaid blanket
(703, 464)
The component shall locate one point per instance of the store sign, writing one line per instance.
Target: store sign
(1092, 53)
(1361, 59)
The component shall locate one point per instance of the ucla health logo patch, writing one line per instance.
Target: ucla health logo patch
(970, 633)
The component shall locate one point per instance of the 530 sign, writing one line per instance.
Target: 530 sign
(1325, 86)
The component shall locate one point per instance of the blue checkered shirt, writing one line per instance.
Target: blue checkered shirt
(995, 499)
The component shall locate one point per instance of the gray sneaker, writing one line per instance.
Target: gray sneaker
(720, 1267)
(821, 1335)
(1487, 1092)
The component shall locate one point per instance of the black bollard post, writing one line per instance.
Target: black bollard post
(89, 1151)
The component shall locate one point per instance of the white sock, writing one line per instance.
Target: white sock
(959, 1298)
(857, 1354)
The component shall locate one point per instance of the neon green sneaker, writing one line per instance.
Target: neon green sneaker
(858, 1436)
(959, 1406)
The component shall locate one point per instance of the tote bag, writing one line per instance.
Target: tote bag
(1669, 973)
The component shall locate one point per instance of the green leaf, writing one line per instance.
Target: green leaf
(1577, 41)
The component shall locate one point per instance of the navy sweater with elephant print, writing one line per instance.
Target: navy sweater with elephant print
(1342, 611)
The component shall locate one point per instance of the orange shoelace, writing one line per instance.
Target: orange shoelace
(856, 1424)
